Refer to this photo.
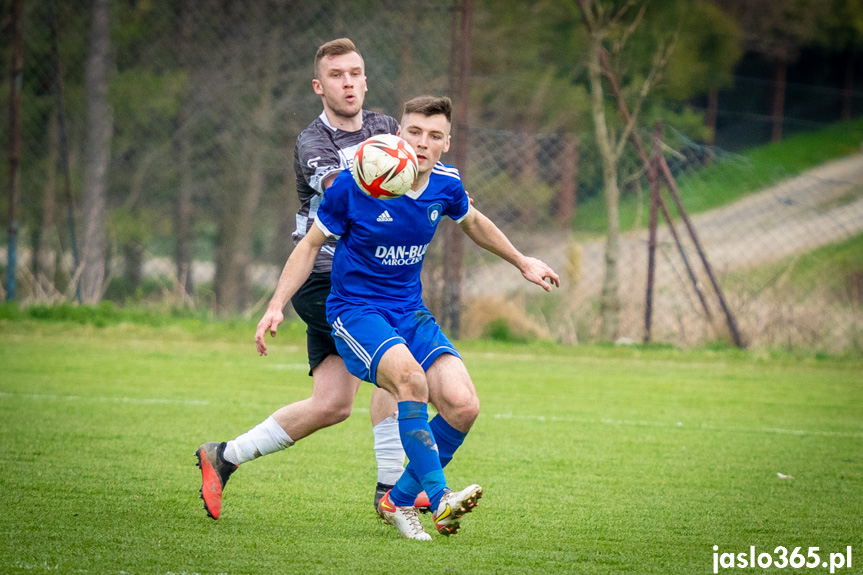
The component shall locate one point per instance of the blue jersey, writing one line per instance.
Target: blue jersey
(382, 243)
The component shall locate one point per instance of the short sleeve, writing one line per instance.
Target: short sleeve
(333, 211)
(458, 208)
(317, 159)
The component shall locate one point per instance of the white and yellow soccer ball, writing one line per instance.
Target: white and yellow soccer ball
(385, 166)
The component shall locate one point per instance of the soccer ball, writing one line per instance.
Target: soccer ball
(385, 166)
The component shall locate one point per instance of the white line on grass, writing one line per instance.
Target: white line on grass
(290, 366)
(135, 400)
(524, 417)
(45, 566)
(636, 423)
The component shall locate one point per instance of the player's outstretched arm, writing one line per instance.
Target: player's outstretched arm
(294, 274)
(485, 234)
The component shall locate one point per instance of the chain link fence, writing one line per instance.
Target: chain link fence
(207, 98)
(785, 258)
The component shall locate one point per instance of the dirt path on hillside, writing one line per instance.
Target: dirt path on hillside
(798, 215)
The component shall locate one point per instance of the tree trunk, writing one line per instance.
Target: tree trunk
(183, 225)
(48, 239)
(233, 289)
(133, 265)
(183, 236)
(528, 177)
(453, 237)
(710, 115)
(61, 275)
(609, 302)
(781, 69)
(568, 190)
(848, 88)
(226, 283)
(98, 140)
(14, 144)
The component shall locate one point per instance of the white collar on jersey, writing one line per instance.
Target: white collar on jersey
(415, 194)
(326, 120)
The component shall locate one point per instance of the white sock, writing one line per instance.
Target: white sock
(389, 451)
(265, 438)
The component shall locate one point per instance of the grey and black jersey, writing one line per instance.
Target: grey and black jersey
(322, 150)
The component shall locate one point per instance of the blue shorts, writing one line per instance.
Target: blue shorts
(363, 334)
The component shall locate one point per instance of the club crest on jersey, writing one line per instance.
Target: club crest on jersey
(435, 211)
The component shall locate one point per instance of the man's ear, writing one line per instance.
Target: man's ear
(316, 86)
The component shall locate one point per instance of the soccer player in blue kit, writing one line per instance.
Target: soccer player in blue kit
(382, 329)
(325, 148)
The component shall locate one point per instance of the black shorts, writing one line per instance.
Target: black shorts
(310, 303)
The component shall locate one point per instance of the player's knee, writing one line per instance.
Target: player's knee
(459, 405)
(467, 408)
(338, 413)
(331, 411)
(412, 385)
(472, 409)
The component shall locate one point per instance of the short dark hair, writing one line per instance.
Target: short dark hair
(430, 106)
(337, 47)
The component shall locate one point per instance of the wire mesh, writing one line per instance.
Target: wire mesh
(207, 98)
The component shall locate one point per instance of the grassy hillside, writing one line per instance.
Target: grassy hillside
(733, 176)
(829, 269)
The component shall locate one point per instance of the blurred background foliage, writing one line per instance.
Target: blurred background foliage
(206, 98)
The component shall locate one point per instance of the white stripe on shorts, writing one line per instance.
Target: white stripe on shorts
(434, 350)
(352, 343)
(387, 341)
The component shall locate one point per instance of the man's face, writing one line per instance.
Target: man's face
(341, 83)
(428, 135)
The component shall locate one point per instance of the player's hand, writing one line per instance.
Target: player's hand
(270, 321)
(537, 271)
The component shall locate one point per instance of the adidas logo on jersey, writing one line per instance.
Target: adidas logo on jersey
(385, 217)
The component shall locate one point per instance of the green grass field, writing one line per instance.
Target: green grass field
(593, 460)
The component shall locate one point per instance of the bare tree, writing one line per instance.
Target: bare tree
(605, 24)
(778, 31)
(843, 23)
(98, 130)
(248, 148)
(14, 144)
(183, 219)
(48, 246)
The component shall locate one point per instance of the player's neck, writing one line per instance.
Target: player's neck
(344, 123)
(422, 180)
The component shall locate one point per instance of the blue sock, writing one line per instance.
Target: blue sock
(448, 439)
(419, 445)
(406, 489)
